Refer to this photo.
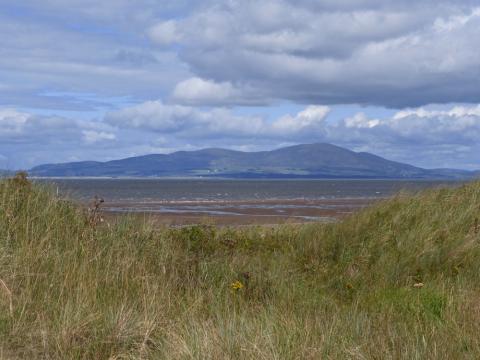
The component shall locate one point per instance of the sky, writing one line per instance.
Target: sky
(102, 80)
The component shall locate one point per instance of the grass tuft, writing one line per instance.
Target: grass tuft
(396, 280)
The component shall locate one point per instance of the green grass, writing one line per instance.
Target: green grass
(78, 289)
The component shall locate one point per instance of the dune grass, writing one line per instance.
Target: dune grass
(399, 280)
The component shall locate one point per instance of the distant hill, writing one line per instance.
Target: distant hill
(299, 161)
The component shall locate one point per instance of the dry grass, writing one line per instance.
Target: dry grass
(73, 288)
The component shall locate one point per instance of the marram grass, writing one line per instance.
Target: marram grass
(399, 280)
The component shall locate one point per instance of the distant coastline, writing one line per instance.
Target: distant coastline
(306, 161)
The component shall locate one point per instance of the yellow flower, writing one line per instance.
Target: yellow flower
(237, 285)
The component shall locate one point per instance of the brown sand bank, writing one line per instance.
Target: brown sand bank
(248, 212)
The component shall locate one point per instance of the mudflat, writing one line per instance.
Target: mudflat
(248, 212)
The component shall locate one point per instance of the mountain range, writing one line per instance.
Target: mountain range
(300, 161)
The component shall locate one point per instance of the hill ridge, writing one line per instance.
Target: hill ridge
(317, 160)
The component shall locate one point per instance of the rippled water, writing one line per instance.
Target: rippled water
(153, 190)
(236, 201)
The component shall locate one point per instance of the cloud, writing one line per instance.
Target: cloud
(459, 125)
(27, 139)
(12, 122)
(308, 121)
(387, 53)
(184, 121)
(72, 54)
(92, 136)
(393, 53)
(197, 91)
(426, 137)
(455, 112)
(165, 33)
(72, 71)
(22, 127)
(25, 129)
(361, 121)
(190, 122)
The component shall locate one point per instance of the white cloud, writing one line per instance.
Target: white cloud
(455, 112)
(455, 22)
(19, 127)
(153, 115)
(165, 33)
(189, 122)
(421, 136)
(184, 121)
(92, 136)
(310, 120)
(361, 121)
(12, 122)
(428, 138)
(197, 91)
(413, 135)
(458, 125)
(28, 139)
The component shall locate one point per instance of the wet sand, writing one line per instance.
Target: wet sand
(235, 213)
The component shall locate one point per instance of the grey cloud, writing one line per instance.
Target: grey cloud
(396, 54)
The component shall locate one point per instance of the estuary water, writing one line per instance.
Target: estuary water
(180, 201)
(148, 190)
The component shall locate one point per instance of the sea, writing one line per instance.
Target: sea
(159, 189)
(245, 201)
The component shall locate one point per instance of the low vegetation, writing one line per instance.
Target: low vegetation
(398, 280)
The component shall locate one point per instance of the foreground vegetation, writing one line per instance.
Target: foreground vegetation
(398, 280)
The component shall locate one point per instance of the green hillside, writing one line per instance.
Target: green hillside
(307, 160)
(399, 280)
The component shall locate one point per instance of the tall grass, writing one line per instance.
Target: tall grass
(398, 280)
